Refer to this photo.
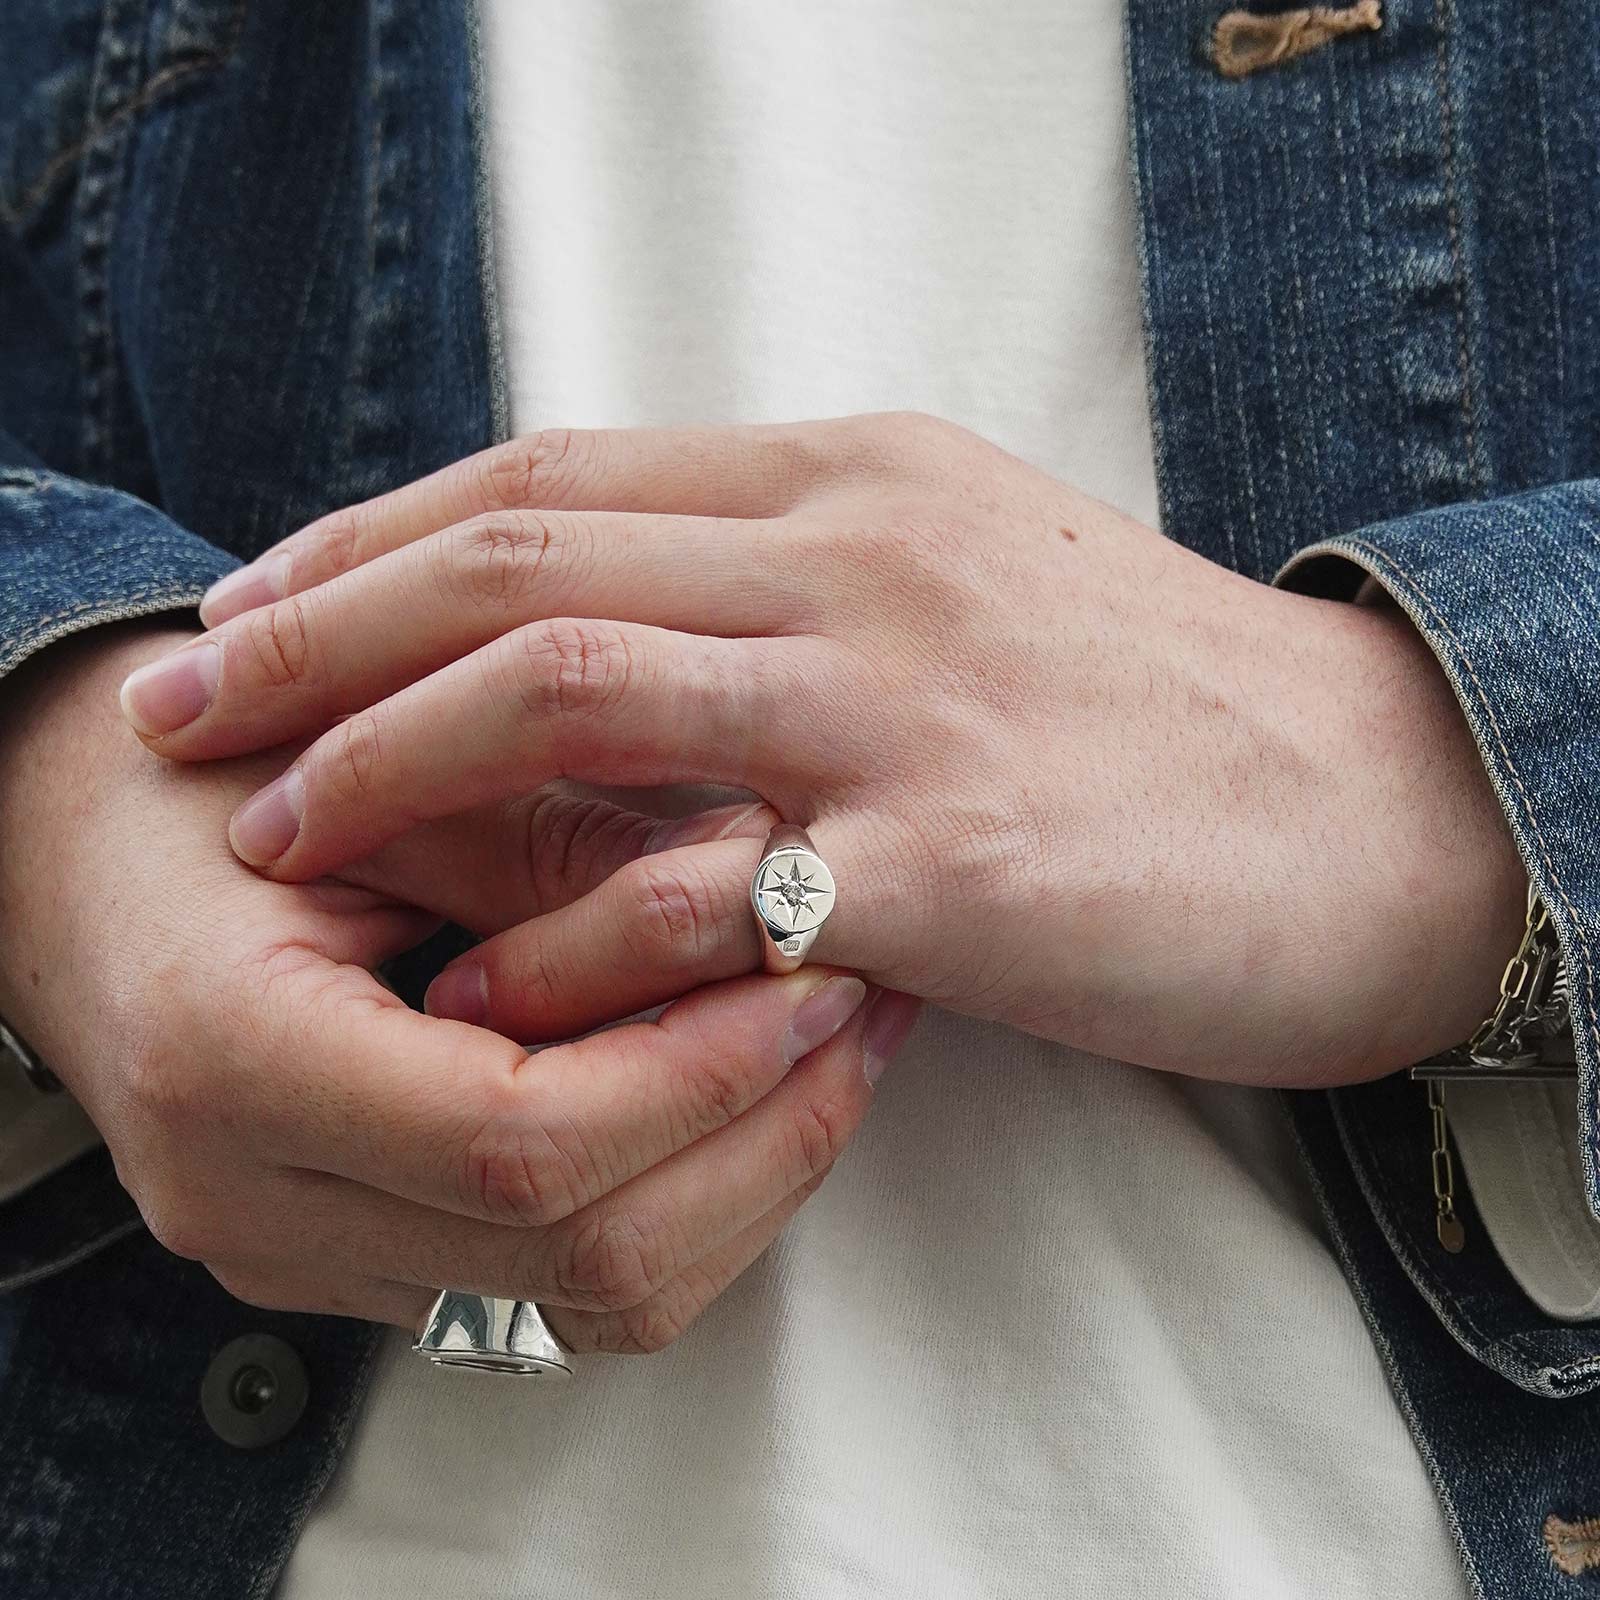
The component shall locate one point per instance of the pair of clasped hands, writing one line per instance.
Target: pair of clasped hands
(1068, 775)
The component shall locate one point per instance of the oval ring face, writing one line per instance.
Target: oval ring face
(793, 891)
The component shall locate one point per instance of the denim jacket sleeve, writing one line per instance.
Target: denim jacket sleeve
(1507, 593)
(74, 555)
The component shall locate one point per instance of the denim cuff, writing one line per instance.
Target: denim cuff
(1507, 594)
(74, 555)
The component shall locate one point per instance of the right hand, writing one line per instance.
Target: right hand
(283, 1118)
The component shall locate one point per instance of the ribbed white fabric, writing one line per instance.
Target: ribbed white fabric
(1519, 1146)
(1053, 1326)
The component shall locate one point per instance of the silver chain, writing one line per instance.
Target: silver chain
(1527, 1035)
(1451, 1233)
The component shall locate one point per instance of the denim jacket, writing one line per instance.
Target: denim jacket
(242, 281)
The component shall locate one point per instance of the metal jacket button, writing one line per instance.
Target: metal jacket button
(254, 1391)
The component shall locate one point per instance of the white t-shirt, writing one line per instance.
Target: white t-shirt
(1054, 1325)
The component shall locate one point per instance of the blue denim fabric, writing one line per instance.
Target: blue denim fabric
(241, 278)
(240, 283)
(1374, 349)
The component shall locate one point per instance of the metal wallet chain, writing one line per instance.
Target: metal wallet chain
(1528, 1035)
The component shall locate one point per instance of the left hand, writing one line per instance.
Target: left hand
(1067, 774)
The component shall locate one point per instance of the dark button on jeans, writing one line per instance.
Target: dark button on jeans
(254, 1391)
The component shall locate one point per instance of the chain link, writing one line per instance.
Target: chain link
(1533, 994)
(1523, 1037)
(1530, 1015)
(1452, 1235)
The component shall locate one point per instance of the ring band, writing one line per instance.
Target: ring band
(792, 893)
(487, 1335)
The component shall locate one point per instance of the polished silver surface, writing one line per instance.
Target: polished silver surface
(792, 893)
(470, 1330)
(16, 1052)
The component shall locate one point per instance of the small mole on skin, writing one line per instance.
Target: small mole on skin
(1069, 535)
(33, 977)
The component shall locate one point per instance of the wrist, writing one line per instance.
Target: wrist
(1445, 885)
(63, 747)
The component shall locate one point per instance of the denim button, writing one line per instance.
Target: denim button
(254, 1391)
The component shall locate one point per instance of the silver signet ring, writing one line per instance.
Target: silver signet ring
(473, 1330)
(792, 893)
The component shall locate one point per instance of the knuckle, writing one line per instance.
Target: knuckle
(609, 1259)
(252, 1287)
(818, 1135)
(547, 827)
(675, 913)
(498, 557)
(512, 1178)
(924, 553)
(860, 544)
(719, 1089)
(795, 461)
(527, 469)
(337, 545)
(912, 447)
(360, 755)
(923, 429)
(649, 1328)
(280, 642)
(566, 840)
(571, 669)
(178, 1225)
(544, 988)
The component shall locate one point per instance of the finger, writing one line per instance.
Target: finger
(271, 1287)
(759, 471)
(660, 926)
(461, 1120)
(362, 927)
(642, 1329)
(496, 866)
(622, 1248)
(599, 701)
(668, 1314)
(665, 923)
(293, 668)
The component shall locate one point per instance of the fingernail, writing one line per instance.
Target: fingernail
(259, 584)
(459, 994)
(820, 1015)
(170, 693)
(266, 824)
(890, 1019)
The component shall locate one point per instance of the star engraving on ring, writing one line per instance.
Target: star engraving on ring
(793, 894)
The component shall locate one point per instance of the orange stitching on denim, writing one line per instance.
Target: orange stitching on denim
(1516, 777)
(1574, 1546)
(1248, 41)
(164, 81)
